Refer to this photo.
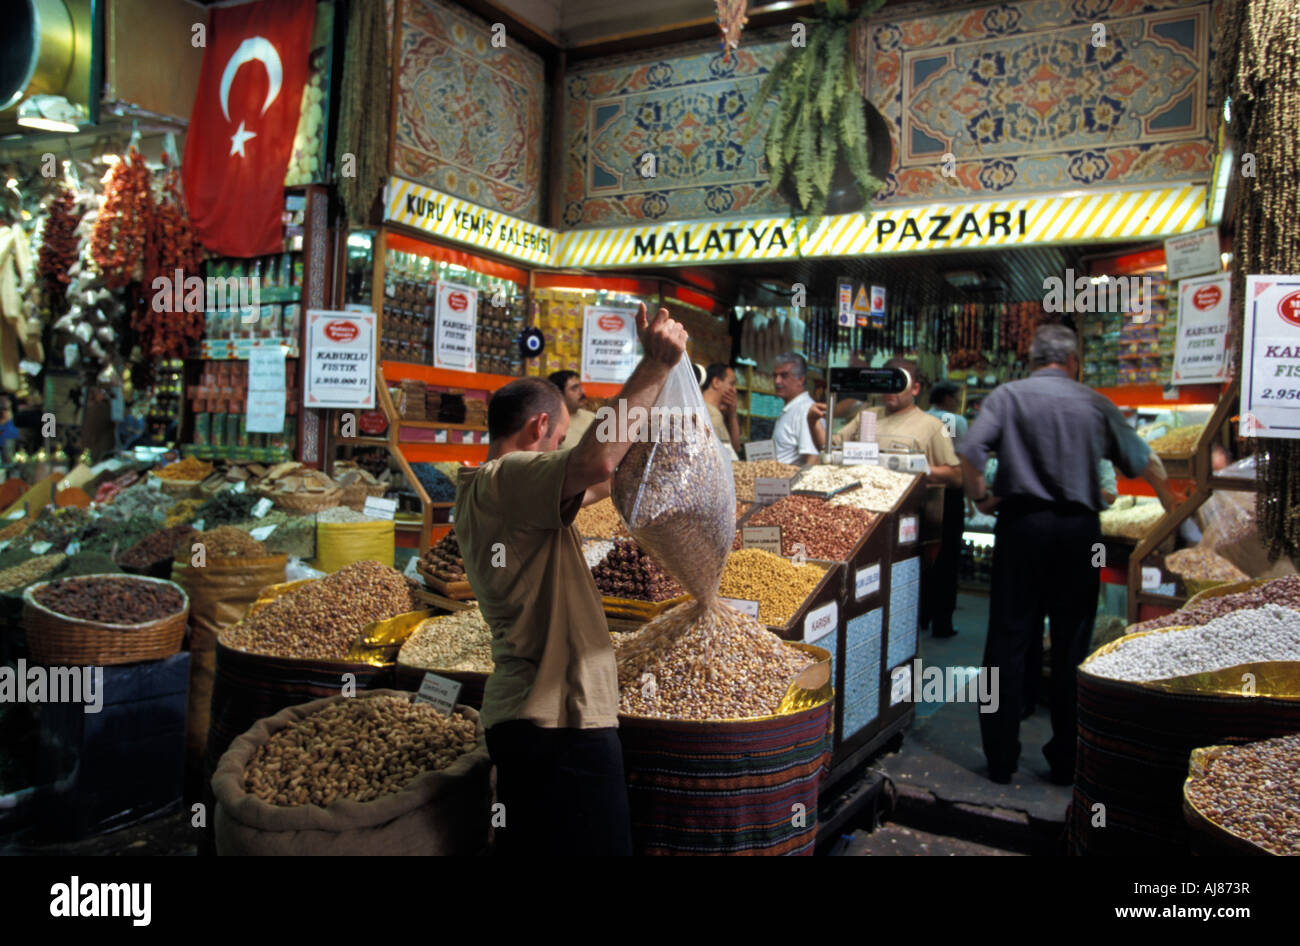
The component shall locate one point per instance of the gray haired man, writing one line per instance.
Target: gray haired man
(791, 436)
(1049, 433)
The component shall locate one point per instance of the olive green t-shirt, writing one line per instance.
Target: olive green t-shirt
(523, 558)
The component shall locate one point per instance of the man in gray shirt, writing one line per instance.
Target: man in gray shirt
(1049, 433)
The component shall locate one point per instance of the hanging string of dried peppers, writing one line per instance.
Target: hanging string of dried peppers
(117, 243)
(172, 251)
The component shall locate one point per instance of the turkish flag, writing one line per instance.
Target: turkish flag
(241, 129)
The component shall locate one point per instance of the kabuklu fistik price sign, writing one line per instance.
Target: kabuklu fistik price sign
(608, 344)
(457, 318)
(1270, 351)
(340, 359)
(1200, 354)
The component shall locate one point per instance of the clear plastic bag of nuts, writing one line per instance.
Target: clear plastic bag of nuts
(674, 488)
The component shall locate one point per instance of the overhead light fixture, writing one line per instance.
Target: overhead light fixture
(51, 113)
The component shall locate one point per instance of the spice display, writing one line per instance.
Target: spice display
(444, 560)
(20, 576)
(677, 499)
(140, 500)
(158, 547)
(593, 550)
(879, 490)
(435, 483)
(1254, 792)
(184, 510)
(358, 749)
(1178, 443)
(190, 468)
(227, 541)
(117, 243)
(322, 619)
(701, 662)
(744, 473)
(343, 514)
(226, 508)
(59, 526)
(293, 534)
(15, 529)
(1200, 564)
(111, 600)
(1281, 591)
(1130, 519)
(814, 527)
(112, 537)
(1257, 634)
(459, 642)
(627, 572)
(600, 520)
(779, 586)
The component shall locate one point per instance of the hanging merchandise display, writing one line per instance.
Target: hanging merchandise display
(172, 256)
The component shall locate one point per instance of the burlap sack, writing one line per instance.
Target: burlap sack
(446, 812)
(220, 594)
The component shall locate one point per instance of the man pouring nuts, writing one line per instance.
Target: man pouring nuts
(550, 707)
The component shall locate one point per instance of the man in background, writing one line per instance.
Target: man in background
(945, 404)
(905, 428)
(1049, 433)
(791, 434)
(719, 392)
(569, 384)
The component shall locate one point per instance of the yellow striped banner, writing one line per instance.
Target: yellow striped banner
(957, 225)
(454, 219)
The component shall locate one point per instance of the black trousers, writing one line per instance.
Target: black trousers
(563, 791)
(1042, 567)
(939, 579)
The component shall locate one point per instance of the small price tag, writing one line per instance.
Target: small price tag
(199, 524)
(760, 450)
(16, 514)
(866, 581)
(768, 489)
(907, 529)
(1170, 393)
(239, 487)
(40, 548)
(767, 538)
(378, 508)
(743, 605)
(858, 452)
(438, 691)
(73, 548)
(900, 684)
(1157, 433)
(821, 621)
(154, 483)
(262, 507)
(262, 533)
(1150, 578)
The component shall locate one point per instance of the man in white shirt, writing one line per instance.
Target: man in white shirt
(791, 435)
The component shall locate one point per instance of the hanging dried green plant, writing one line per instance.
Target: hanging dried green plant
(819, 119)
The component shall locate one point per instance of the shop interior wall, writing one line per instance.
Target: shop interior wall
(1016, 93)
(471, 117)
(151, 62)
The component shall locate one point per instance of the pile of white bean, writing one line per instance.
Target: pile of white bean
(880, 491)
(1256, 635)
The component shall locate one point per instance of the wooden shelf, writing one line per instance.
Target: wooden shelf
(438, 425)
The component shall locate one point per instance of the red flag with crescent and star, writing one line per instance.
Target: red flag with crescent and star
(241, 130)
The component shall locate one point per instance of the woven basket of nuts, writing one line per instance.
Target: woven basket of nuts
(365, 775)
(100, 620)
(1148, 699)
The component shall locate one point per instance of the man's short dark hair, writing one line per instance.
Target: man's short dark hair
(942, 390)
(561, 378)
(714, 372)
(520, 401)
